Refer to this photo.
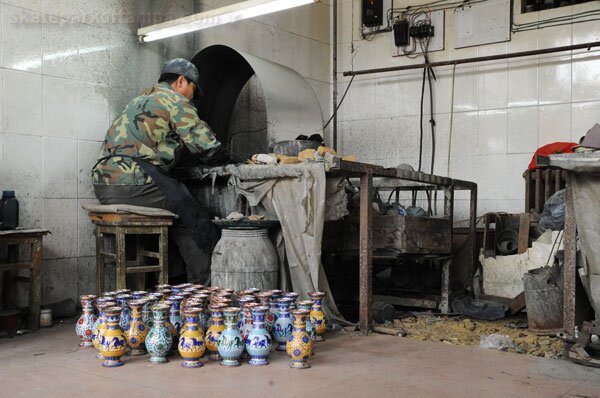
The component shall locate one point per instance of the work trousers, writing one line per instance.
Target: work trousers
(185, 257)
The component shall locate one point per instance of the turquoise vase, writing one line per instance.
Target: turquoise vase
(231, 343)
(159, 339)
(284, 325)
(259, 343)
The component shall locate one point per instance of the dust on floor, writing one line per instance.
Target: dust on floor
(467, 332)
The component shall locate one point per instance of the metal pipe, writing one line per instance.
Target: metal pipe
(475, 59)
(335, 78)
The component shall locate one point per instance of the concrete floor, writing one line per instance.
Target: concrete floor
(50, 364)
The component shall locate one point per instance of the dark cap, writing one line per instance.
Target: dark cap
(180, 66)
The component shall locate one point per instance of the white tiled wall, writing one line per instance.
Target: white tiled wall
(68, 67)
(503, 110)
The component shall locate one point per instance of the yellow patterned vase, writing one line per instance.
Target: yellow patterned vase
(214, 331)
(299, 344)
(137, 332)
(112, 342)
(191, 342)
(317, 316)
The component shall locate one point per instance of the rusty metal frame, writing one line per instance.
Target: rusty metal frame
(367, 172)
(570, 262)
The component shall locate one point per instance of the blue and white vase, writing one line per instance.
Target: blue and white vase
(123, 301)
(231, 343)
(259, 343)
(284, 325)
(159, 340)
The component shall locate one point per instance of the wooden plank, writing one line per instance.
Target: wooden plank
(538, 191)
(112, 256)
(408, 301)
(100, 263)
(120, 260)
(527, 177)
(557, 180)
(517, 304)
(570, 263)
(16, 266)
(163, 249)
(524, 224)
(147, 268)
(366, 235)
(127, 218)
(547, 185)
(35, 285)
(146, 253)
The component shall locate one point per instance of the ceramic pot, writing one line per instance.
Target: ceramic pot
(282, 330)
(204, 316)
(294, 297)
(138, 295)
(231, 343)
(137, 332)
(259, 343)
(247, 326)
(186, 296)
(174, 314)
(162, 287)
(123, 300)
(191, 342)
(242, 303)
(159, 339)
(85, 323)
(307, 306)
(214, 331)
(299, 344)
(150, 301)
(101, 324)
(317, 316)
(270, 317)
(112, 341)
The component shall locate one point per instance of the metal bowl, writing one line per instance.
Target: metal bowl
(294, 147)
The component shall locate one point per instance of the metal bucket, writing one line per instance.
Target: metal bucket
(245, 259)
(544, 300)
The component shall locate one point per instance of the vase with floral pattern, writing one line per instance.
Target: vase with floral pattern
(122, 301)
(317, 316)
(159, 339)
(259, 342)
(137, 331)
(231, 343)
(214, 331)
(242, 301)
(191, 342)
(270, 317)
(307, 306)
(101, 324)
(112, 341)
(85, 323)
(299, 344)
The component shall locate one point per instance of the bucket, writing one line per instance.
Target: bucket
(544, 300)
(244, 259)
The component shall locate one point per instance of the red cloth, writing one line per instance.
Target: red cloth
(551, 149)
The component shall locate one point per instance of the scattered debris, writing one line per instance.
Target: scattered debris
(496, 341)
(467, 332)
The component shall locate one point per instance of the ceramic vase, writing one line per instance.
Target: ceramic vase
(191, 342)
(270, 318)
(101, 324)
(138, 295)
(283, 327)
(214, 331)
(175, 313)
(231, 342)
(137, 332)
(159, 339)
(307, 306)
(123, 302)
(317, 316)
(85, 324)
(294, 297)
(242, 301)
(186, 296)
(112, 341)
(299, 344)
(247, 327)
(259, 343)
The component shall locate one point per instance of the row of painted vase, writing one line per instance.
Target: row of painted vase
(196, 320)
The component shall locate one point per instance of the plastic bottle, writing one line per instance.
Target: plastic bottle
(9, 210)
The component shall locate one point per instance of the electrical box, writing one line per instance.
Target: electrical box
(372, 13)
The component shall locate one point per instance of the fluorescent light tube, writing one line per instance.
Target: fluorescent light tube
(220, 16)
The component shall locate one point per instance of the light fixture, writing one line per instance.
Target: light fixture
(220, 16)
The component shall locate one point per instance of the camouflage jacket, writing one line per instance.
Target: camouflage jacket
(154, 126)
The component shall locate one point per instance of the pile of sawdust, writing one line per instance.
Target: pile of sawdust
(467, 332)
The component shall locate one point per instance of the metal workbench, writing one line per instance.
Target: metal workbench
(366, 172)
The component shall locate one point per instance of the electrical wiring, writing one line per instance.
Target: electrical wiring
(556, 21)
(339, 104)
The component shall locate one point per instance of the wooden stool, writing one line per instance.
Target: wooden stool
(32, 238)
(120, 225)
